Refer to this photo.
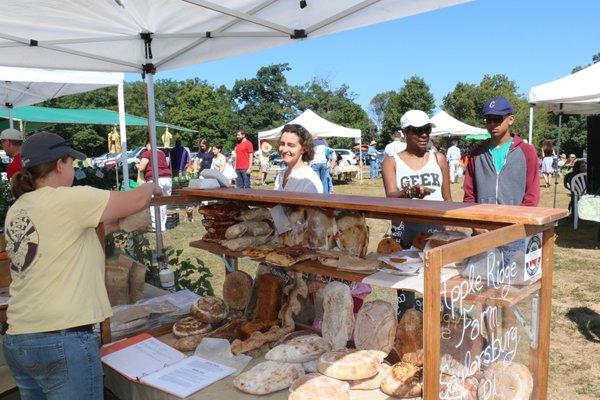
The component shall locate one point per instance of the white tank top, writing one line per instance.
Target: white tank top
(429, 176)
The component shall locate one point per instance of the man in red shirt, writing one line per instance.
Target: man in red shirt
(12, 140)
(243, 160)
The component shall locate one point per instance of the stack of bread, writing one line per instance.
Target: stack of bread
(217, 218)
(254, 230)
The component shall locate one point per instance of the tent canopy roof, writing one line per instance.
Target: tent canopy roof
(125, 35)
(578, 93)
(316, 125)
(26, 86)
(446, 124)
(79, 116)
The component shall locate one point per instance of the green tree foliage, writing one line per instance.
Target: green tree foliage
(414, 95)
(377, 107)
(89, 141)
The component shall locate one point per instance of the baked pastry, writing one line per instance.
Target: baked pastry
(249, 228)
(338, 316)
(257, 325)
(352, 234)
(350, 364)
(505, 382)
(237, 290)
(209, 309)
(268, 301)
(371, 383)
(220, 211)
(268, 377)
(190, 326)
(403, 380)
(409, 333)
(299, 350)
(388, 245)
(319, 387)
(375, 326)
(244, 242)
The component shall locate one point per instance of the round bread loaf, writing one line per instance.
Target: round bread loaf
(268, 377)
(409, 333)
(505, 382)
(338, 316)
(373, 382)
(299, 349)
(375, 326)
(388, 245)
(237, 290)
(189, 326)
(209, 309)
(403, 380)
(318, 387)
(350, 364)
(454, 387)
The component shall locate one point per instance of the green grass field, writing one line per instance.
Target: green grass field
(575, 327)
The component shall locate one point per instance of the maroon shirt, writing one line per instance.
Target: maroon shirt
(163, 166)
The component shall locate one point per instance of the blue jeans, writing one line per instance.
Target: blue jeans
(243, 179)
(321, 170)
(374, 169)
(61, 365)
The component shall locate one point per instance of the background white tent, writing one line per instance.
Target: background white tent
(147, 35)
(316, 125)
(446, 124)
(578, 93)
(28, 86)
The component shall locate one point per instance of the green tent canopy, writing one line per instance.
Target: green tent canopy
(37, 117)
(483, 136)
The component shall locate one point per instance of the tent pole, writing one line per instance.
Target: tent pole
(360, 158)
(11, 123)
(123, 131)
(152, 127)
(531, 124)
(557, 152)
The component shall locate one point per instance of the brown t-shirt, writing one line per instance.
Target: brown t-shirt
(163, 166)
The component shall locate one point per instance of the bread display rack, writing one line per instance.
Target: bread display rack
(500, 304)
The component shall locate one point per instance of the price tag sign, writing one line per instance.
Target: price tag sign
(79, 174)
(99, 174)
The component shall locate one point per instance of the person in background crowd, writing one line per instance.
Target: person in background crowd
(11, 140)
(320, 160)
(164, 180)
(205, 155)
(372, 153)
(453, 156)
(570, 161)
(219, 160)
(396, 146)
(579, 167)
(415, 173)
(57, 292)
(296, 149)
(179, 158)
(243, 160)
(548, 161)
(265, 151)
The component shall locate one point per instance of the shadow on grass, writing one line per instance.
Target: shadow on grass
(588, 322)
(586, 236)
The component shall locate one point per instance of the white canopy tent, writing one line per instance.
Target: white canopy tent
(317, 126)
(149, 35)
(578, 93)
(446, 124)
(28, 86)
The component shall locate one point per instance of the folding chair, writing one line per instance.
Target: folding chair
(578, 188)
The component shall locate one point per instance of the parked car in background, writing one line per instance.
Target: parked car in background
(100, 161)
(347, 155)
(276, 161)
(133, 156)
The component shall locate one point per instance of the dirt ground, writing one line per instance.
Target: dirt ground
(575, 327)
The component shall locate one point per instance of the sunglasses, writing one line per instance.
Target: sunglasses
(493, 119)
(420, 130)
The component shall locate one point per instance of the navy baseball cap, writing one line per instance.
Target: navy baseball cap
(43, 147)
(498, 106)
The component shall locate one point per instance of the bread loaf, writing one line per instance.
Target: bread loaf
(209, 309)
(299, 349)
(388, 245)
(505, 382)
(353, 234)
(268, 377)
(403, 380)
(255, 214)
(409, 333)
(189, 326)
(256, 325)
(220, 211)
(319, 387)
(371, 383)
(320, 230)
(188, 343)
(338, 316)
(237, 290)
(244, 242)
(350, 364)
(453, 387)
(250, 228)
(375, 327)
(268, 301)
(230, 330)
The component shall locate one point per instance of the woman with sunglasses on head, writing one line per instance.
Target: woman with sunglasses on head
(57, 292)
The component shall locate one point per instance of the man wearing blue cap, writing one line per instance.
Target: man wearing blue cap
(503, 169)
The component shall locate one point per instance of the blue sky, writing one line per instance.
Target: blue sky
(531, 41)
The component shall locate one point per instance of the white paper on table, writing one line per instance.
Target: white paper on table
(219, 351)
(415, 283)
(187, 376)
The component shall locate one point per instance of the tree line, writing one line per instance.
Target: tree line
(267, 100)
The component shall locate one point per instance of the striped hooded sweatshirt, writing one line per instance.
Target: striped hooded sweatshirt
(517, 183)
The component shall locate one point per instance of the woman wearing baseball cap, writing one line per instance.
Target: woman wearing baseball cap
(57, 292)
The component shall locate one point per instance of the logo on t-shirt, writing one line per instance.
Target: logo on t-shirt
(22, 242)
(426, 179)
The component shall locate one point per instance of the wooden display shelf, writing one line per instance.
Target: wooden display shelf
(311, 266)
